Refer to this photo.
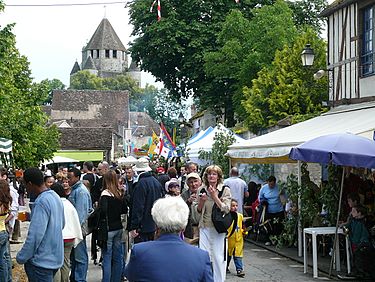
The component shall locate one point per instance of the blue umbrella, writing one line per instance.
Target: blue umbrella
(343, 149)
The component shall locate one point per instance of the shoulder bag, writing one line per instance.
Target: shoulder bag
(221, 220)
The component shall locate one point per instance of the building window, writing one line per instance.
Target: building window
(107, 53)
(368, 41)
(92, 53)
(114, 53)
(97, 53)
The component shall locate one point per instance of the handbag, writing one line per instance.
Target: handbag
(221, 220)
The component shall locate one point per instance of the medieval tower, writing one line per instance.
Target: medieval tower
(105, 55)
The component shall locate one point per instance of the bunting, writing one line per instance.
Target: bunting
(159, 8)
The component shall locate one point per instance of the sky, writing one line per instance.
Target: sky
(52, 37)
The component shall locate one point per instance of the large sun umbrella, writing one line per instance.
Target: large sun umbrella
(59, 160)
(343, 149)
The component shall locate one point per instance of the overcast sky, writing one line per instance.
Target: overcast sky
(52, 37)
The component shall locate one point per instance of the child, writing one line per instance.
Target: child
(235, 240)
(359, 238)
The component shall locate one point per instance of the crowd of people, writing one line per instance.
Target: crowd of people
(157, 213)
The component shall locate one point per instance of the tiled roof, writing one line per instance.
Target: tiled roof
(105, 38)
(336, 5)
(89, 64)
(75, 68)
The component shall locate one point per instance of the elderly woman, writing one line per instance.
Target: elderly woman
(168, 258)
(209, 239)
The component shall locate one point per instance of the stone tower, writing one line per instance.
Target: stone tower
(105, 55)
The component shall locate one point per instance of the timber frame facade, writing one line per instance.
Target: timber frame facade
(351, 51)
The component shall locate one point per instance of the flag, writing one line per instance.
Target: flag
(166, 147)
(154, 142)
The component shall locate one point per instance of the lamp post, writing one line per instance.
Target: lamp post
(307, 56)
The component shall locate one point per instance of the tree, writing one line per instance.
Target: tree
(21, 115)
(222, 141)
(52, 85)
(306, 14)
(161, 106)
(173, 48)
(247, 46)
(286, 88)
(84, 80)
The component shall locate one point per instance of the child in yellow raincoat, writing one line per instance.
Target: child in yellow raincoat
(235, 240)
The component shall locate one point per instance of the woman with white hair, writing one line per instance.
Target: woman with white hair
(161, 260)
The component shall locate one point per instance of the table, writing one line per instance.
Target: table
(315, 231)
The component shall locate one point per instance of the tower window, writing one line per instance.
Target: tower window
(97, 53)
(114, 53)
(107, 53)
(92, 53)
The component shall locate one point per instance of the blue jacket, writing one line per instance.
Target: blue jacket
(272, 196)
(81, 200)
(146, 191)
(44, 245)
(168, 259)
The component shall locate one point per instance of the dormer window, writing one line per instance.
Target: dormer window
(107, 53)
(368, 48)
(114, 53)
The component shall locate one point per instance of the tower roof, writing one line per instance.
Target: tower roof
(89, 64)
(105, 37)
(75, 68)
(133, 66)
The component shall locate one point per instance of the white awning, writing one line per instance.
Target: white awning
(275, 146)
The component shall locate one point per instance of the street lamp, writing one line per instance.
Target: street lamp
(307, 56)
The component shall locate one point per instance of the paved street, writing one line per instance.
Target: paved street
(260, 265)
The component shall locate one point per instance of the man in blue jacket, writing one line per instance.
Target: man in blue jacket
(43, 250)
(147, 190)
(81, 199)
(169, 258)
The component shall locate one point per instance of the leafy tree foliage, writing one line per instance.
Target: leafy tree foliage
(85, 80)
(21, 115)
(306, 13)
(286, 88)
(247, 46)
(52, 85)
(217, 155)
(161, 106)
(173, 48)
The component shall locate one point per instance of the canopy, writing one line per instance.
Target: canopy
(5, 145)
(130, 160)
(205, 143)
(198, 136)
(60, 160)
(275, 146)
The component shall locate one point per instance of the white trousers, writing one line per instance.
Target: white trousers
(213, 243)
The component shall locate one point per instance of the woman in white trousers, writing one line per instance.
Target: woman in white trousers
(209, 239)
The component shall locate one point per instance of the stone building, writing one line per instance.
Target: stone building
(105, 55)
(91, 122)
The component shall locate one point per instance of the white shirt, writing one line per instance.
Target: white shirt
(72, 228)
(238, 187)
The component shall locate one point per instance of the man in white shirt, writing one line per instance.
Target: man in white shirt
(238, 188)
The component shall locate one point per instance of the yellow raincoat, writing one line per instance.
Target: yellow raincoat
(235, 240)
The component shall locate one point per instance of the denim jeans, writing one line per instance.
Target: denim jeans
(79, 261)
(8, 261)
(39, 274)
(3, 261)
(113, 257)
(237, 262)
